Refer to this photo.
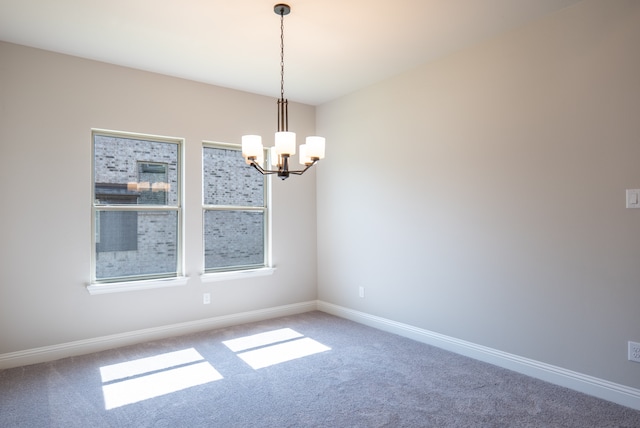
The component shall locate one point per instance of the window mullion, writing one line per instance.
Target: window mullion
(233, 208)
(136, 207)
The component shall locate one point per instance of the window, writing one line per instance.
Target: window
(236, 215)
(137, 208)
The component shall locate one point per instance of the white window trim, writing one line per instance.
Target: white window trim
(118, 287)
(236, 274)
(98, 287)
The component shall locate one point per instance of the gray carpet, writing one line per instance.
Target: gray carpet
(354, 376)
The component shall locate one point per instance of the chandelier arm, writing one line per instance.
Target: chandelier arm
(302, 171)
(281, 171)
(262, 170)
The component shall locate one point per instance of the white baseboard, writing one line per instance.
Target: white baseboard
(590, 385)
(80, 347)
(586, 384)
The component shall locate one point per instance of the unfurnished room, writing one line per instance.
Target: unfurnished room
(418, 213)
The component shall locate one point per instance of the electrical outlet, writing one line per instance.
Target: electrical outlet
(634, 352)
(361, 291)
(206, 298)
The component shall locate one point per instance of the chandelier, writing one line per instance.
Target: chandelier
(285, 142)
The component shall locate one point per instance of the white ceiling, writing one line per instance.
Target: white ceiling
(332, 47)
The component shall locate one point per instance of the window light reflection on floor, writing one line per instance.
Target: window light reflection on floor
(274, 347)
(261, 339)
(145, 378)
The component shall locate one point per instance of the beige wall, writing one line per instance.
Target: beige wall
(482, 196)
(48, 105)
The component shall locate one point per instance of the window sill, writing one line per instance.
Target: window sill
(236, 274)
(118, 287)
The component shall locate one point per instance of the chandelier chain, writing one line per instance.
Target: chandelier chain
(281, 54)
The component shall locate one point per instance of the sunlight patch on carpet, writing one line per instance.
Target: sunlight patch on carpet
(274, 347)
(145, 378)
(261, 339)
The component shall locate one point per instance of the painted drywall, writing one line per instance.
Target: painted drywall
(48, 105)
(482, 196)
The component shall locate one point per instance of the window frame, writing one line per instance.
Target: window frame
(137, 282)
(243, 271)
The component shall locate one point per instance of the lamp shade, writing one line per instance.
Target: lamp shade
(315, 147)
(252, 147)
(305, 159)
(286, 143)
(274, 158)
